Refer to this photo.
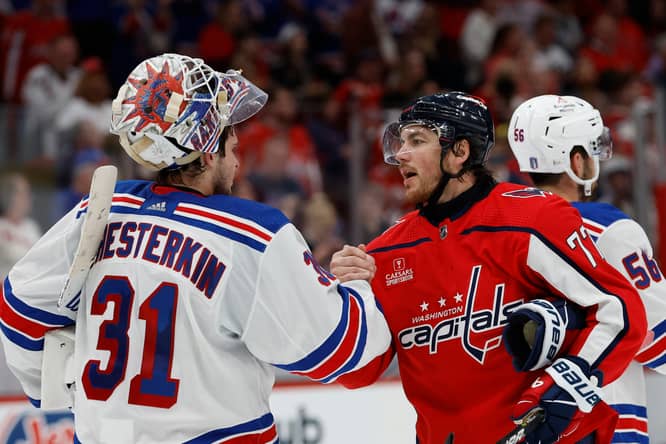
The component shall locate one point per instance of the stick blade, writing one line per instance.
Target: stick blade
(92, 230)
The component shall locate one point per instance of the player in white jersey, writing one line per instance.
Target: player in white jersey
(552, 138)
(195, 295)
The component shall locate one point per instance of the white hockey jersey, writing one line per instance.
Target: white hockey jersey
(190, 303)
(624, 244)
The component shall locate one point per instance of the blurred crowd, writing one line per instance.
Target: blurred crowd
(335, 71)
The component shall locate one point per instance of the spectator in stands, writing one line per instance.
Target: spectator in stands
(372, 207)
(361, 94)
(48, 87)
(251, 58)
(331, 145)
(321, 228)
(476, 38)
(84, 163)
(282, 118)
(271, 179)
(140, 32)
(409, 80)
(568, 29)
(86, 116)
(632, 37)
(604, 47)
(91, 101)
(18, 231)
(26, 41)
(549, 54)
(290, 65)
(217, 39)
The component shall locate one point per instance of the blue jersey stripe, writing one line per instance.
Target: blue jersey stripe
(217, 229)
(659, 330)
(22, 340)
(218, 434)
(330, 344)
(630, 409)
(36, 314)
(360, 344)
(399, 246)
(657, 362)
(267, 217)
(599, 212)
(630, 437)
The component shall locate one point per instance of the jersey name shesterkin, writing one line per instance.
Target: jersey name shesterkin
(465, 274)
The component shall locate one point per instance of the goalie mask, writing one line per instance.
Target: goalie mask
(172, 108)
(543, 131)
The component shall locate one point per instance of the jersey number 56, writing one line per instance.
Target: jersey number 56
(642, 273)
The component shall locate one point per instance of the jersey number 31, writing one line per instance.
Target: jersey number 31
(153, 386)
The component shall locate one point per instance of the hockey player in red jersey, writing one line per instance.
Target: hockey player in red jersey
(448, 274)
(554, 139)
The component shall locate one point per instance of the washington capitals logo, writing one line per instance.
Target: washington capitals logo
(525, 193)
(152, 96)
(479, 329)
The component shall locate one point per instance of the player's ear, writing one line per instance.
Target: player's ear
(208, 159)
(461, 149)
(577, 162)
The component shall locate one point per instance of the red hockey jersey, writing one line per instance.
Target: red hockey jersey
(446, 280)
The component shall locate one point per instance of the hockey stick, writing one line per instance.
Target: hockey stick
(57, 375)
(527, 425)
(92, 231)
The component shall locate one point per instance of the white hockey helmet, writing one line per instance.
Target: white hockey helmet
(544, 129)
(172, 108)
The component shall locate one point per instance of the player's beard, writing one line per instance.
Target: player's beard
(420, 191)
(222, 183)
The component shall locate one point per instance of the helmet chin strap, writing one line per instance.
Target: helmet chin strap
(443, 181)
(586, 183)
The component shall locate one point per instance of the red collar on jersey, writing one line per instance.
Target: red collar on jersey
(166, 189)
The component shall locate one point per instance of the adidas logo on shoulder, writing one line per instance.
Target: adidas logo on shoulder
(157, 206)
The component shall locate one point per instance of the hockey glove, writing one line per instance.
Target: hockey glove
(565, 393)
(58, 370)
(536, 331)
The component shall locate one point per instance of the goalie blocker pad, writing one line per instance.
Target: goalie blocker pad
(536, 330)
(57, 369)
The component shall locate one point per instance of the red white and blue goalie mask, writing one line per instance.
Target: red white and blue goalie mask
(172, 108)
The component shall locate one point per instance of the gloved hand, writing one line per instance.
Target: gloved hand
(536, 330)
(566, 393)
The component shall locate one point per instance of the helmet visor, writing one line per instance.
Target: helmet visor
(243, 98)
(398, 134)
(603, 146)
